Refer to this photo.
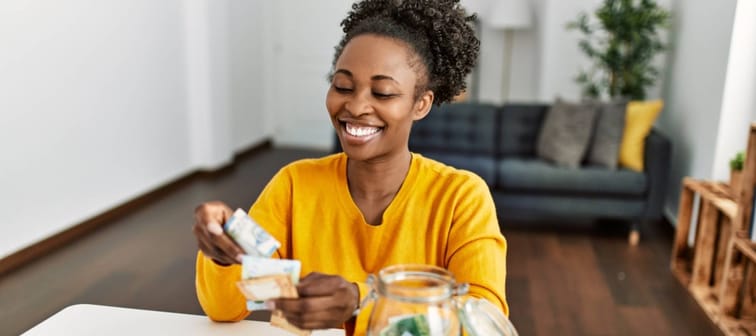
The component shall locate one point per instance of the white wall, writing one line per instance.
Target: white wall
(525, 64)
(303, 37)
(697, 64)
(739, 97)
(249, 121)
(207, 82)
(103, 101)
(561, 58)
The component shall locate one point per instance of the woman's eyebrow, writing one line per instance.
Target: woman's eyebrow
(374, 78)
(343, 71)
(384, 77)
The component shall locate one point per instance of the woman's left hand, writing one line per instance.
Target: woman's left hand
(325, 301)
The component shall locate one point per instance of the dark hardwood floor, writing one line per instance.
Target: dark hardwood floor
(563, 279)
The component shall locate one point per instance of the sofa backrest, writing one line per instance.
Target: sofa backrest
(518, 127)
(460, 127)
(479, 128)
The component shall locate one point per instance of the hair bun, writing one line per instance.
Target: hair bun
(439, 31)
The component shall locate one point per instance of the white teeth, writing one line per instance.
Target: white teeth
(361, 131)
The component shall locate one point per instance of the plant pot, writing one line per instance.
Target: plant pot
(735, 177)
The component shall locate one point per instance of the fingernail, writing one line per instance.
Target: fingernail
(239, 258)
(215, 228)
(270, 305)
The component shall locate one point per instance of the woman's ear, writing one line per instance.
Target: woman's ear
(423, 105)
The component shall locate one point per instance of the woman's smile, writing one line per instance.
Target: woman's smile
(357, 134)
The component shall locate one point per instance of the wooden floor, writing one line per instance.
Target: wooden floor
(577, 279)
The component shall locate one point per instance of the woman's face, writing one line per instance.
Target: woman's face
(372, 99)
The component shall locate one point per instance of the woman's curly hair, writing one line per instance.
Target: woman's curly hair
(439, 32)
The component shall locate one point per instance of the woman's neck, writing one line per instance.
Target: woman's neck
(372, 180)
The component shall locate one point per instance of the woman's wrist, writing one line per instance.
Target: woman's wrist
(356, 291)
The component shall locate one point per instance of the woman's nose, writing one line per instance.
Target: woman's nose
(358, 105)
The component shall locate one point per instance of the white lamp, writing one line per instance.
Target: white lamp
(509, 15)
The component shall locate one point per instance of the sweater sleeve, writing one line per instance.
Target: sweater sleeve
(216, 287)
(476, 250)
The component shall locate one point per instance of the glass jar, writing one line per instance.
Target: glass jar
(420, 300)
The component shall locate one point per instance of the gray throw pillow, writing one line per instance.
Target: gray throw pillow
(607, 137)
(566, 132)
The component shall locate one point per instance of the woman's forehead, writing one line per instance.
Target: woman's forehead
(370, 55)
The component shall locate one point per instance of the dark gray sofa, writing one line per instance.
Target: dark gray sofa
(498, 143)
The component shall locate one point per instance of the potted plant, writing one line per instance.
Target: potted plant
(621, 40)
(736, 170)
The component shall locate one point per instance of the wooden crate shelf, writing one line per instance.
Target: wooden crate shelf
(719, 267)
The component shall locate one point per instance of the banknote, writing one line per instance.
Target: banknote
(278, 320)
(407, 325)
(259, 305)
(253, 266)
(250, 236)
(268, 287)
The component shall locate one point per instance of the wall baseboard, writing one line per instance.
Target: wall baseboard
(48, 245)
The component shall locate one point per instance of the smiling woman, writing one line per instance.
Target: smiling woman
(376, 204)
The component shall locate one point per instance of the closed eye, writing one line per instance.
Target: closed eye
(383, 95)
(342, 89)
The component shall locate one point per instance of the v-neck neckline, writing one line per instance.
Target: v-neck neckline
(350, 205)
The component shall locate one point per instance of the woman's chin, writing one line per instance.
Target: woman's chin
(358, 154)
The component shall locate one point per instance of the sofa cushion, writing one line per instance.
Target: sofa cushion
(607, 136)
(540, 206)
(538, 175)
(483, 166)
(639, 120)
(457, 128)
(565, 132)
(518, 129)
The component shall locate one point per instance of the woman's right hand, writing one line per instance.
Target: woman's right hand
(213, 242)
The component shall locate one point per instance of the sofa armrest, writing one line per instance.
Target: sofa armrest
(657, 159)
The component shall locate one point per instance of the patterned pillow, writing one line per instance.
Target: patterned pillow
(566, 132)
(604, 147)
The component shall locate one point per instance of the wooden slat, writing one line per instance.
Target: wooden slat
(733, 275)
(724, 202)
(746, 247)
(748, 303)
(723, 189)
(723, 240)
(745, 194)
(704, 254)
(680, 246)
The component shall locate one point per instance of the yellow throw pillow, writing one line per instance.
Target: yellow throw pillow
(639, 119)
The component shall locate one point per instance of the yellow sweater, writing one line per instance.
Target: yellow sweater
(440, 216)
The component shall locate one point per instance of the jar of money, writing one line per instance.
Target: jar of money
(423, 300)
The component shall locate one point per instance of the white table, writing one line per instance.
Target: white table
(85, 319)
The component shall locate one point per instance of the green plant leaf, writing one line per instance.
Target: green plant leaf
(622, 45)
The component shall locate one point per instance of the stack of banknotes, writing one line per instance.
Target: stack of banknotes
(263, 278)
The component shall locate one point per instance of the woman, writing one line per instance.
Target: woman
(350, 214)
